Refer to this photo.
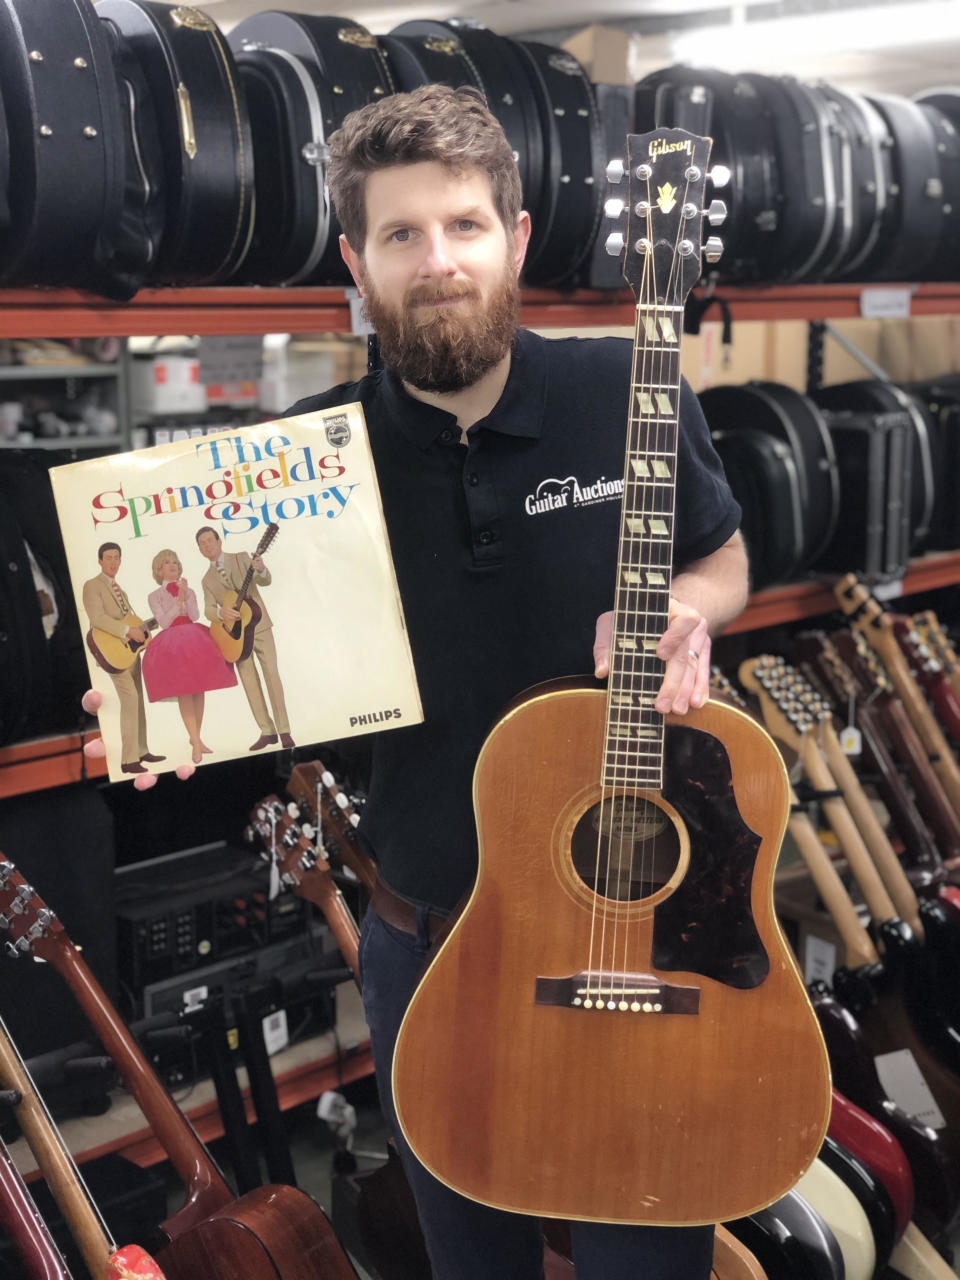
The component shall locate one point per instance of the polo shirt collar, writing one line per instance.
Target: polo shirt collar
(518, 412)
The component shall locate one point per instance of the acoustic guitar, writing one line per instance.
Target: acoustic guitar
(235, 639)
(118, 653)
(270, 1233)
(619, 964)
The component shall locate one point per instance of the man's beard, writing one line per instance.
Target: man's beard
(450, 348)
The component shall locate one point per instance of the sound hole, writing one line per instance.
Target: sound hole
(625, 848)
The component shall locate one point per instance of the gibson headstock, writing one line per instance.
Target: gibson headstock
(327, 807)
(662, 214)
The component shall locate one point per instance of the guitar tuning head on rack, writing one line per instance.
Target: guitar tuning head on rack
(25, 919)
(661, 213)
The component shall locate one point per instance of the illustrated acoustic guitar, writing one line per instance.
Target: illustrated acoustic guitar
(614, 1029)
(235, 639)
(270, 1233)
(118, 653)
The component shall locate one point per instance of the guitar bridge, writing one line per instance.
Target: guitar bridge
(617, 993)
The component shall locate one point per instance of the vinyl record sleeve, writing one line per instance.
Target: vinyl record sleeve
(339, 663)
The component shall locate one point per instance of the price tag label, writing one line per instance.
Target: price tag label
(903, 1081)
(888, 590)
(276, 1036)
(850, 740)
(885, 303)
(819, 959)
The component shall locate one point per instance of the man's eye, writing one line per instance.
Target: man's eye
(402, 234)
(466, 224)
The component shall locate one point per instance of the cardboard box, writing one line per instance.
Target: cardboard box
(608, 55)
(167, 384)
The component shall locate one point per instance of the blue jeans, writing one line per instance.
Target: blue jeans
(466, 1240)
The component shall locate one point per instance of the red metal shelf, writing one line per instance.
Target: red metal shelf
(57, 313)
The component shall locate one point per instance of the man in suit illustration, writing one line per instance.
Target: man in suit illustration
(226, 573)
(107, 605)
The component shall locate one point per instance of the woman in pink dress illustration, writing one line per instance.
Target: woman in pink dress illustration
(182, 661)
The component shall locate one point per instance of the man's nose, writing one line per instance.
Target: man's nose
(437, 259)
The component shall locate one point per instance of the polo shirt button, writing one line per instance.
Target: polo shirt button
(473, 478)
(447, 434)
(484, 537)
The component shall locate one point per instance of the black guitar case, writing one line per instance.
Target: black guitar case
(873, 455)
(795, 421)
(728, 109)
(500, 71)
(4, 173)
(41, 678)
(615, 108)
(207, 148)
(763, 476)
(941, 399)
(912, 253)
(942, 109)
(81, 141)
(348, 69)
(887, 397)
(287, 107)
(573, 165)
(809, 231)
(874, 201)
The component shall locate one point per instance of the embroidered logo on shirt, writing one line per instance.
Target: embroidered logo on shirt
(551, 494)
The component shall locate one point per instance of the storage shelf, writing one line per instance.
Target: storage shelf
(55, 761)
(65, 442)
(29, 372)
(54, 313)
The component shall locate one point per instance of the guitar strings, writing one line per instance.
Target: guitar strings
(622, 755)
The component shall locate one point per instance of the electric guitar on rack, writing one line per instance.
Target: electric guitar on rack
(21, 1224)
(270, 1233)
(929, 674)
(100, 1254)
(869, 618)
(619, 962)
(118, 653)
(235, 639)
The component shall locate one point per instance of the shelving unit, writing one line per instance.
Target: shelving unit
(115, 372)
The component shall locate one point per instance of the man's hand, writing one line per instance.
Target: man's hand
(227, 614)
(95, 749)
(684, 647)
(137, 633)
(257, 562)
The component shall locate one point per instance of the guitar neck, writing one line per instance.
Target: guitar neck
(20, 1222)
(633, 747)
(55, 1163)
(205, 1187)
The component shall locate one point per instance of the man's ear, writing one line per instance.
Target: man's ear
(521, 238)
(354, 263)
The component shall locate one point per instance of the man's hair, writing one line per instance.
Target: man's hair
(107, 546)
(435, 123)
(207, 529)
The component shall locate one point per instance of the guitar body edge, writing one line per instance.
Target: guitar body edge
(606, 1116)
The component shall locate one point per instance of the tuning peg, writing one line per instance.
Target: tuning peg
(293, 809)
(713, 249)
(614, 244)
(615, 171)
(308, 830)
(717, 213)
(614, 207)
(6, 871)
(720, 175)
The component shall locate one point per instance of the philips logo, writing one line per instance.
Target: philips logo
(374, 717)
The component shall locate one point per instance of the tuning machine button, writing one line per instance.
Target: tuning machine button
(713, 249)
(720, 175)
(614, 207)
(615, 171)
(716, 214)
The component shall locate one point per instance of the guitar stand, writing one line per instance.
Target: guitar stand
(220, 1060)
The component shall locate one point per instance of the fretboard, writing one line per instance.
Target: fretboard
(633, 747)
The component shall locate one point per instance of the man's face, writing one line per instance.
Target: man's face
(110, 563)
(209, 545)
(438, 274)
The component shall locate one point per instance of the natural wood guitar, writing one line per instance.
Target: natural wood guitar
(614, 1029)
(271, 1233)
(235, 639)
(118, 653)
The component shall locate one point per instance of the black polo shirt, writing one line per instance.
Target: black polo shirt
(505, 554)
